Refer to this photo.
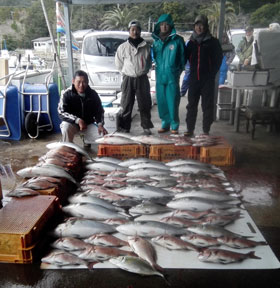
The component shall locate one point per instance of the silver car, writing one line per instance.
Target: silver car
(98, 58)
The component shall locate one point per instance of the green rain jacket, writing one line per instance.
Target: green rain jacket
(168, 54)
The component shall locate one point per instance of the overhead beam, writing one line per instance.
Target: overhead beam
(87, 2)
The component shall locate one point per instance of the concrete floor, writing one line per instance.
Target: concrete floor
(256, 174)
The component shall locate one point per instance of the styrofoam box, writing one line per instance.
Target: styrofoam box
(247, 78)
(110, 119)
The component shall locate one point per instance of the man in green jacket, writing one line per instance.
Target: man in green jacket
(168, 53)
(245, 47)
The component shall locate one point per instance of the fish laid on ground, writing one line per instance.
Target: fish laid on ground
(42, 183)
(177, 221)
(135, 265)
(69, 244)
(81, 228)
(239, 242)
(107, 159)
(79, 149)
(46, 170)
(116, 222)
(22, 192)
(127, 203)
(103, 166)
(61, 258)
(147, 172)
(114, 184)
(178, 162)
(191, 215)
(212, 230)
(207, 194)
(149, 229)
(163, 183)
(189, 168)
(220, 220)
(224, 256)
(133, 161)
(145, 250)
(200, 240)
(199, 204)
(102, 239)
(149, 165)
(101, 253)
(151, 140)
(173, 243)
(87, 198)
(92, 211)
(115, 140)
(142, 192)
(148, 208)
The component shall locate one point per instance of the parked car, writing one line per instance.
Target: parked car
(98, 58)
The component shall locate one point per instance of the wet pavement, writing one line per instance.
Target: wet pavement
(256, 174)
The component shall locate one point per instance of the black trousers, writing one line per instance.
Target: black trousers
(139, 87)
(204, 88)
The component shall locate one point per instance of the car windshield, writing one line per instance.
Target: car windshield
(103, 45)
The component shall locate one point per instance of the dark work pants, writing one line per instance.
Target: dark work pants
(139, 87)
(205, 89)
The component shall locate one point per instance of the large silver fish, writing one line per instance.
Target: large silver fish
(92, 211)
(178, 162)
(87, 198)
(134, 161)
(147, 172)
(135, 265)
(105, 240)
(224, 256)
(149, 229)
(188, 168)
(107, 159)
(148, 208)
(46, 170)
(81, 228)
(78, 149)
(149, 165)
(199, 204)
(151, 140)
(103, 166)
(22, 192)
(143, 192)
(115, 140)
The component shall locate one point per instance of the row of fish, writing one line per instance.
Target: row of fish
(178, 140)
(139, 204)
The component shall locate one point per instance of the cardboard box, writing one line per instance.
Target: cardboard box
(247, 78)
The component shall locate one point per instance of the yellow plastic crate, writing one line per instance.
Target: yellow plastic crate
(221, 154)
(122, 151)
(22, 222)
(170, 152)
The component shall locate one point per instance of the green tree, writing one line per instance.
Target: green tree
(250, 5)
(265, 15)
(118, 18)
(213, 13)
(38, 27)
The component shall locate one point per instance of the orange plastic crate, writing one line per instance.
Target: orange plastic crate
(122, 151)
(221, 154)
(170, 152)
(22, 222)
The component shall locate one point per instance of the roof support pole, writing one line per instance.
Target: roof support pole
(68, 41)
(220, 36)
(53, 43)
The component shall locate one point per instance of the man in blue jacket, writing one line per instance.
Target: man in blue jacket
(168, 52)
(205, 55)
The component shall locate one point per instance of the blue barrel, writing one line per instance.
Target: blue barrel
(12, 115)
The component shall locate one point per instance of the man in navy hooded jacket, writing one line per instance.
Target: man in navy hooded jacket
(205, 55)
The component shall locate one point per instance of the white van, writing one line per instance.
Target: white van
(98, 58)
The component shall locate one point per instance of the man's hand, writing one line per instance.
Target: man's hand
(246, 62)
(102, 130)
(82, 125)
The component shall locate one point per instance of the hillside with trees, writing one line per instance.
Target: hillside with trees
(23, 20)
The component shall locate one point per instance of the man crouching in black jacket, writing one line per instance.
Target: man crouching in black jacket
(80, 106)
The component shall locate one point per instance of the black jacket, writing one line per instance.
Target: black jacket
(205, 58)
(73, 106)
